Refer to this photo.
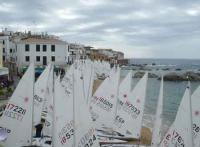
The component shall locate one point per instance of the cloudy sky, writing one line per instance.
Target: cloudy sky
(139, 28)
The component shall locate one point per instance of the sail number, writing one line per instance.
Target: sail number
(14, 112)
(129, 108)
(6, 130)
(196, 130)
(103, 103)
(88, 139)
(37, 98)
(89, 143)
(119, 121)
(16, 109)
(66, 132)
(175, 138)
(67, 136)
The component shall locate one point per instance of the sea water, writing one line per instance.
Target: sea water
(173, 91)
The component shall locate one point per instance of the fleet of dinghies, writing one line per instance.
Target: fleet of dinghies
(71, 115)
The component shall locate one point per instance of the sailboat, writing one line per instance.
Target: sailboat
(180, 132)
(88, 79)
(103, 103)
(124, 93)
(63, 117)
(48, 109)
(17, 118)
(195, 116)
(40, 91)
(84, 130)
(156, 136)
(131, 109)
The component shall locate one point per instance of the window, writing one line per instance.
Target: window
(27, 48)
(4, 58)
(27, 58)
(4, 50)
(44, 48)
(10, 50)
(3, 42)
(53, 48)
(53, 58)
(37, 47)
(38, 58)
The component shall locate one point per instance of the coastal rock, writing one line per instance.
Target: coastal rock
(141, 74)
(173, 77)
(191, 76)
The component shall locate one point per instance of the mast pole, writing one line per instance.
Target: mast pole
(190, 103)
(117, 96)
(53, 121)
(32, 64)
(74, 138)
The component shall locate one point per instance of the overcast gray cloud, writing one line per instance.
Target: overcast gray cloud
(139, 28)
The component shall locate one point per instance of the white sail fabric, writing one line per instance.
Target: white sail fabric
(103, 103)
(40, 90)
(63, 117)
(131, 109)
(85, 135)
(180, 132)
(156, 136)
(17, 117)
(88, 80)
(124, 93)
(196, 116)
(48, 106)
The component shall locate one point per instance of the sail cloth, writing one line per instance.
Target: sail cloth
(156, 136)
(63, 117)
(48, 105)
(180, 132)
(40, 90)
(88, 79)
(17, 117)
(85, 134)
(103, 103)
(131, 109)
(196, 116)
(124, 93)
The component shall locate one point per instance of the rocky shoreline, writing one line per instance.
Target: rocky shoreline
(172, 76)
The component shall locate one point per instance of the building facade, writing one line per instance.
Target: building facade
(76, 52)
(1, 54)
(41, 51)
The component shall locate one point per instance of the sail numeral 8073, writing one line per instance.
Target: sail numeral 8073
(16, 109)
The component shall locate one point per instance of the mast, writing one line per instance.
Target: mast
(117, 96)
(190, 103)
(53, 121)
(74, 138)
(91, 74)
(32, 64)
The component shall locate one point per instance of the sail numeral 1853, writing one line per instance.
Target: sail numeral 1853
(67, 136)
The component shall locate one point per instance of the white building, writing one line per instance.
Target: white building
(41, 51)
(3, 70)
(1, 54)
(76, 51)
